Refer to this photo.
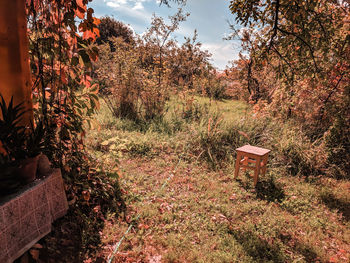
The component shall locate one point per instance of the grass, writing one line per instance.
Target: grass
(190, 209)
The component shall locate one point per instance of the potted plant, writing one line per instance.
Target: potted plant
(10, 180)
(20, 145)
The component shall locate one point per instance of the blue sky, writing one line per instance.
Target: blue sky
(209, 17)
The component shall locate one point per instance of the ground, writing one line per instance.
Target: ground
(182, 209)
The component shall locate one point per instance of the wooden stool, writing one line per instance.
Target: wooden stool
(250, 154)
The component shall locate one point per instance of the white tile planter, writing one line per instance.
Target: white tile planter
(26, 216)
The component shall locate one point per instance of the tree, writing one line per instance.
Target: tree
(305, 44)
(109, 27)
(167, 2)
(137, 76)
(138, 79)
(309, 44)
(60, 60)
(121, 78)
(159, 35)
(61, 35)
(187, 61)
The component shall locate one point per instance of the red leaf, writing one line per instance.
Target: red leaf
(79, 13)
(81, 9)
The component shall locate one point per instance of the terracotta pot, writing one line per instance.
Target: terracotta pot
(9, 181)
(27, 169)
(44, 166)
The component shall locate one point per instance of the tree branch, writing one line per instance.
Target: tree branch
(275, 26)
(280, 55)
(321, 113)
(334, 89)
(303, 41)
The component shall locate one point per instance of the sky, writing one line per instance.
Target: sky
(209, 17)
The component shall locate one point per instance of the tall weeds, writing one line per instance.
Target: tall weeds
(205, 133)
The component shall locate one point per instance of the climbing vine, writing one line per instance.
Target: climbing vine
(61, 36)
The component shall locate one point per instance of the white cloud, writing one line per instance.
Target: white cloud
(115, 3)
(222, 53)
(112, 4)
(138, 6)
(131, 8)
(129, 4)
(185, 30)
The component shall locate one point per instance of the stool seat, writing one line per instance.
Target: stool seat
(253, 150)
(256, 156)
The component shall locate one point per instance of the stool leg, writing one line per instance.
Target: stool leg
(238, 160)
(257, 170)
(245, 162)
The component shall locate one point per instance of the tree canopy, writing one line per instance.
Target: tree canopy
(297, 63)
(305, 42)
(109, 27)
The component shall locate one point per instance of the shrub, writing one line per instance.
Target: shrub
(216, 142)
(338, 148)
(194, 111)
(293, 150)
(217, 90)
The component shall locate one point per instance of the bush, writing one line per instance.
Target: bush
(217, 90)
(338, 148)
(216, 140)
(194, 111)
(293, 150)
(93, 195)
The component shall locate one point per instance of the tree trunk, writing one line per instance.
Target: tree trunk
(14, 56)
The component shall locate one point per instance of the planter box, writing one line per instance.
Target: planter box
(26, 216)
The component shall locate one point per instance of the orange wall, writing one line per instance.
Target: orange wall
(14, 57)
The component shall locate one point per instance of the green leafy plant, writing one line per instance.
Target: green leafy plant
(17, 141)
(18, 145)
(9, 179)
(11, 132)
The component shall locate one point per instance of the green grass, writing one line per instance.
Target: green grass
(192, 210)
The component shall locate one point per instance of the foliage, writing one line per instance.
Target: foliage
(109, 27)
(60, 61)
(185, 211)
(155, 46)
(338, 146)
(298, 65)
(121, 87)
(12, 134)
(146, 73)
(306, 46)
(189, 63)
(216, 89)
(166, 2)
(19, 142)
(61, 34)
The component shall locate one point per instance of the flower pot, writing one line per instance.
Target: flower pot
(9, 181)
(44, 166)
(27, 169)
